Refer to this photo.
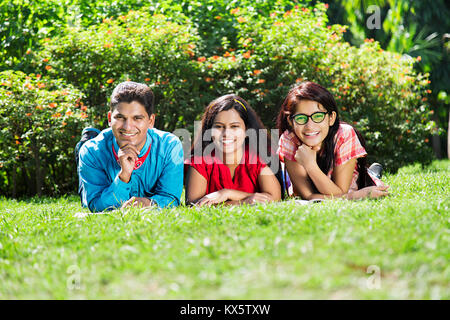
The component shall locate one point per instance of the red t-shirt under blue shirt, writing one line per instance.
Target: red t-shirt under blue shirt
(218, 175)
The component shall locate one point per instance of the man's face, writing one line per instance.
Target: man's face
(129, 123)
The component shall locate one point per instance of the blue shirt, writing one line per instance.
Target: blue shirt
(160, 177)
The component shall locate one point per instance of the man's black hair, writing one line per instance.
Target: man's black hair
(130, 91)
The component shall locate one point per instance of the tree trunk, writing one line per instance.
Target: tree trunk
(436, 141)
(37, 162)
(14, 181)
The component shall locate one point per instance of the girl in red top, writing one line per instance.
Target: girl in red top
(323, 156)
(225, 167)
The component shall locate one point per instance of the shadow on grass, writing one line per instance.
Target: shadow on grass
(45, 199)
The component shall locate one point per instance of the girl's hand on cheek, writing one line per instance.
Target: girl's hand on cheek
(306, 155)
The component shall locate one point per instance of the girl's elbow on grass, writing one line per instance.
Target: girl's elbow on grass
(274, 196)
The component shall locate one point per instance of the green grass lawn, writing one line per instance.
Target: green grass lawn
(393, 248)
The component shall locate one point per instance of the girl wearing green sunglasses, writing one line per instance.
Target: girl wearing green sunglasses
(324, 157)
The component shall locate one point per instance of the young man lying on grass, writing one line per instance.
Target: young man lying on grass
(131, 163)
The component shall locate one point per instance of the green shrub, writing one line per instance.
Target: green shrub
(24, 23)
(139, 47)
(40, 120)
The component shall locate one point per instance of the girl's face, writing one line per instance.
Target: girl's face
(311, 133)
(228, 131)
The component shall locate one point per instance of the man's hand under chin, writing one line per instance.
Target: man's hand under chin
(128, 154)
(137, 202)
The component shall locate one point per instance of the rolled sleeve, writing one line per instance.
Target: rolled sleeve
(97, 193)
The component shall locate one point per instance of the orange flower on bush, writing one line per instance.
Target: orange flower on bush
(41, 85)
(241, 20)
(63, 123)
(247, 55)
(217, 17)
(28, 114)
(208, 79)
(28, 51)
(234, 11)
(110, 81)
(83, 115)
(215, 57)
(45, 60)
(48, 68)
(52, 105)
(419, 58)
(227, 54)
(56, 115)
(83, 108)
(17, 142)
(201, 59)
(233, 58)
(147, 79)
(256, 72)
(107, 45)
(261, 80)
(69, 113)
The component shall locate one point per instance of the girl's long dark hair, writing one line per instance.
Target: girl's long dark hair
(315, 92)
(248, 115)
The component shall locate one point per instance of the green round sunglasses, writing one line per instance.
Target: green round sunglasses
(301, 118)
